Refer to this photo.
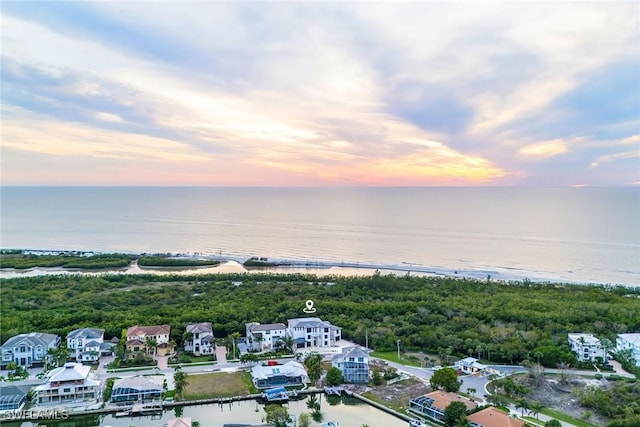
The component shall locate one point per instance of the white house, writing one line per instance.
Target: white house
(626, 342)
(312, 332)
(291, 373)
(353, 362)
(586, 347)
(87, 344)
(137, 389)
(72, 382)
(30, 349)
(264, 337)
(200, 340)
(470, 365)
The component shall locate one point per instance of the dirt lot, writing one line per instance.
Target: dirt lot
(560, 397)
(397, 395)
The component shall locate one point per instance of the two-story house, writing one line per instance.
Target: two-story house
(73, 382)
(630, 343)
(264, 337)
(27, 350)
(140, 337)
(312, 332)
(199, 339)
(354, 365)
(586, 347)
(85, 343)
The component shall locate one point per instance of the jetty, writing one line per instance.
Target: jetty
(279, 394)
(139, 409)
(337, 391)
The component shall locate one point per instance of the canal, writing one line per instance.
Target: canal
(347, 411)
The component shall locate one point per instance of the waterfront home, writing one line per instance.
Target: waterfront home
(13, 397)
(492, 417)
(290, 374)
(470, 365)
(264, 337)
(630, 343)
(586, 347)
(29, 350)
(199, 339)
(432, 405)
(87, 344)
(312, 332)
(353, 362)
(73, 382)
(137, 389)
(139, 337)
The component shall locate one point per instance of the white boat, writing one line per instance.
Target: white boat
(330, 424)
(417, 423)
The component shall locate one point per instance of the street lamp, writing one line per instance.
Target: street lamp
(398, 342)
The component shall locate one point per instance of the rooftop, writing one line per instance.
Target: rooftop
(492, 417)
(86, 333)
(148, 330)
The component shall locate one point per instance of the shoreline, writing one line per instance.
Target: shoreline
(319, 267)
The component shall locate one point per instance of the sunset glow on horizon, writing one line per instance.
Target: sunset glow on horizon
(320, 94)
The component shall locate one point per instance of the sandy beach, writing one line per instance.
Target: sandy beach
(320, 268)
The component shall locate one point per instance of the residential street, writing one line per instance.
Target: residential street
(475, 382)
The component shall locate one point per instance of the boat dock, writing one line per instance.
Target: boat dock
(279, 394)
(334, 390)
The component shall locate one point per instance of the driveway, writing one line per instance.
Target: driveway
(163, 361)
(221, 354)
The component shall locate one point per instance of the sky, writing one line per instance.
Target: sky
(320, 93)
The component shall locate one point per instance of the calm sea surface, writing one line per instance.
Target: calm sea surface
(576, 234)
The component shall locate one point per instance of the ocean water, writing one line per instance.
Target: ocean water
(574, 234)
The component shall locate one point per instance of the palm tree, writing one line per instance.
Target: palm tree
(259, 339)
(151, 343)
(59, 355)
(180, 382)
(536, 408)
(522, 404)
(234, 342)
(287, 343)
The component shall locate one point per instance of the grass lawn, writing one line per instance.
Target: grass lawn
(217, 384)
(566, 418)
(533, 421)
(248, 381)
(392, 356)
(398, 407)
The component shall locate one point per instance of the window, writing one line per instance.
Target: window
(308, 330)
(268, 333)
(66, 390)
(361, 359)
(22, 349)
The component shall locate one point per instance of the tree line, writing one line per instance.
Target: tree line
(501, 322)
